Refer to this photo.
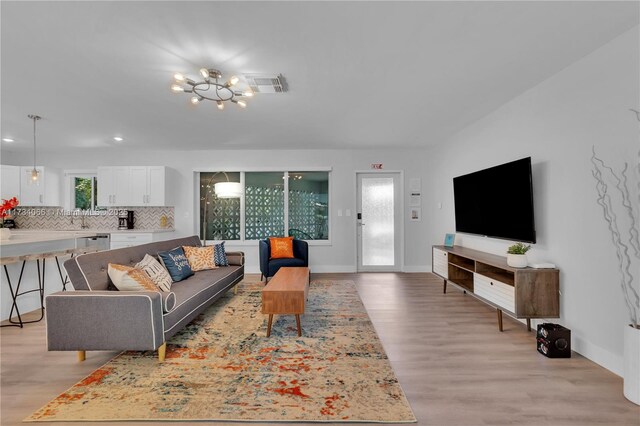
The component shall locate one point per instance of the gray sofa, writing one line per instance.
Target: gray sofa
(95, 317)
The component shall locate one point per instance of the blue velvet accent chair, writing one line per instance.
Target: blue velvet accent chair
(269, 267)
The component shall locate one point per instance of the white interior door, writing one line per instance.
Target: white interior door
(378, 219)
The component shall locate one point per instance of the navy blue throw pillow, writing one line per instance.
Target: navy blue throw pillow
(176, 263)
(219, 255)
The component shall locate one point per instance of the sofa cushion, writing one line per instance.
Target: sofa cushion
(89, 271)
(176, 263)
(196, 291)
(156, 272)
(279, 263)
(200, 258)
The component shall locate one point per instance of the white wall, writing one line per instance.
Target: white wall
(340, 256)
(557, 123)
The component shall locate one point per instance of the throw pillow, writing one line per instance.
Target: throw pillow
(219, 255)
(126, 278)
(200, 258)
(156, 272)
(281, 248)
(176, 263)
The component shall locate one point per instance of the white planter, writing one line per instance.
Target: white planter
(632, 364)
(517, 260)
(5, 233)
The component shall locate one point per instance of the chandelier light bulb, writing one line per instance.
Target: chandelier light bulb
(34, 175)
(242, 104)
(7, 140)
(233, 80)
(248, 93)
(220, 105)
(195, 100)
(204, 72)
(179, 77)
(177, 88)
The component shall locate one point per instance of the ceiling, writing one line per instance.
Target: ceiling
(360, 74)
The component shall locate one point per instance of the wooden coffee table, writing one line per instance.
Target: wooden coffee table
(286, 294)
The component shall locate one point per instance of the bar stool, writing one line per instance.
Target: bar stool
(15, 294)
(64, 279)
(4, 261)
(73, 252)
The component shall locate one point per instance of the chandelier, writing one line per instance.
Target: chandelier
(211, 88)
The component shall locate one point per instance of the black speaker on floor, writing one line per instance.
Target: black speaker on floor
(554, 340)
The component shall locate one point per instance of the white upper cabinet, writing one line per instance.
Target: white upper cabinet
(139, 184)
(10, 183)
(156, 186)
(44, 192)
(114, 186)
(132, 186)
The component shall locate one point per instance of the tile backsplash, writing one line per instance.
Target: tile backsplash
(58, 219)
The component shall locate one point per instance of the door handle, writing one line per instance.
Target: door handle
(361, 224)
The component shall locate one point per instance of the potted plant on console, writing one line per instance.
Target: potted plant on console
(517, 255)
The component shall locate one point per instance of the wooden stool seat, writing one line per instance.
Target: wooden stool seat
(9, 260)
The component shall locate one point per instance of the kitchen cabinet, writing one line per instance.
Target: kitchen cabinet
(148, 186)
(114, 186)
(133, 186)
(44, 192)
(10, 184)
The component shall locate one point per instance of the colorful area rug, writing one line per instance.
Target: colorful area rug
(223, 367)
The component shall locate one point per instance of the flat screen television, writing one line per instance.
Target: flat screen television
(497, 202)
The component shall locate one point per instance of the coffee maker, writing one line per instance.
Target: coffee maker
(125, 219)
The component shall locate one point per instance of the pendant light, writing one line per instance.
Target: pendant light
(34, 174)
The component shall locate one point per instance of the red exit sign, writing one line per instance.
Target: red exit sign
(376, 166)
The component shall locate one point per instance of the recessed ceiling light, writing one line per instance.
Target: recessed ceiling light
(118, 139)
(7, 140)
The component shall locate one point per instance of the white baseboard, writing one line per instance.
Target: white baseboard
(337, 269)
(332, 269)
(416, 268)
(600, 356)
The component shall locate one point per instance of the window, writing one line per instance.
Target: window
(309, 205)
(84, 192)
(219, 217)
(272, 204)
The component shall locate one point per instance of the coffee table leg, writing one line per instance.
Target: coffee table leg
(269, 325)
(298, 322)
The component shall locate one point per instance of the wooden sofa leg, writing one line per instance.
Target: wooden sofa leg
(235, 289)
(162, 352)
(82, 355)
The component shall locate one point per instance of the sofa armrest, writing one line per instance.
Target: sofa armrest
(104, 320)
(265, 253)
(235, 258)
(301, 250)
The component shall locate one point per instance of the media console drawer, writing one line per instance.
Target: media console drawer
(441, 263)
(499, 293)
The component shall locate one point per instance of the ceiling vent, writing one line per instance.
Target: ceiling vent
(265, 83)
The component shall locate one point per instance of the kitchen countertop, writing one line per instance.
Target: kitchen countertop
(29, 236)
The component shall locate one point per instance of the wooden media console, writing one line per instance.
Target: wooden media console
(520, 292)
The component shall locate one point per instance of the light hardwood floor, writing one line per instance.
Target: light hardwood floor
(454, 365)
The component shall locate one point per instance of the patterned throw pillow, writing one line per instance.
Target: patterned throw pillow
(219, 255)
(126, 278)
(176, 263)
(281, 248)
(156, 272)
(200, 258)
